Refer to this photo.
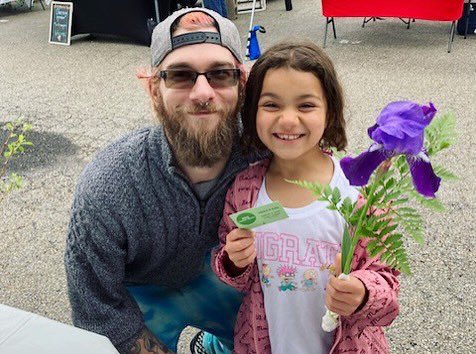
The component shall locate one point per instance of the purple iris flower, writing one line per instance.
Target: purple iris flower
(399, 130)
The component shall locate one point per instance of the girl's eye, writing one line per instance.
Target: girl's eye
(269, 105)
(307, 106)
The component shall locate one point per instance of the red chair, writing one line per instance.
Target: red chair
(441, 10)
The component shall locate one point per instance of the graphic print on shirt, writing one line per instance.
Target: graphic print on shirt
(266, 274)
(286, 275)
(298, 262)
(309, 280)
(287, 249)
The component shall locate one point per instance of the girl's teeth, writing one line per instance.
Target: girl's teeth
(288, 136)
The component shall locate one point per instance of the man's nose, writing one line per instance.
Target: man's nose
(201, 90)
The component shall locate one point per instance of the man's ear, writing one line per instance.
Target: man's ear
(149, 81)
(153, 89)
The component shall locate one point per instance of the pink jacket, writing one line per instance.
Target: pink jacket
(359, 333)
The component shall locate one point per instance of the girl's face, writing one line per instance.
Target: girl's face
(291, 115)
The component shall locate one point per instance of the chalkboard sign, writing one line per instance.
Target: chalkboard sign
(60, 22)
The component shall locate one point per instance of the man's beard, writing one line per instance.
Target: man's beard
(198, 145)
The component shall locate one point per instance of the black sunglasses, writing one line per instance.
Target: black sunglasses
(185, 79)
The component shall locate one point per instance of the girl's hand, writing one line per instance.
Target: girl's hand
(344, 296)
(240, 247)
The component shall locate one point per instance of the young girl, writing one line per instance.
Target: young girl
(294, 108)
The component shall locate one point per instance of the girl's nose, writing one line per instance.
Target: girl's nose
(289, 118)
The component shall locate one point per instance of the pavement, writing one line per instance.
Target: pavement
(81, 97)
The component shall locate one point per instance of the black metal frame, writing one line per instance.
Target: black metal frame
(333, 28)
(452, 36)
(370, 19)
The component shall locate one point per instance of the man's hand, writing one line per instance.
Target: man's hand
(240, 247)
(344, 297)
(147, 343)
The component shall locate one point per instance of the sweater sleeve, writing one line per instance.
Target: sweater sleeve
(240, 279)
(382, 285)
(95, 261)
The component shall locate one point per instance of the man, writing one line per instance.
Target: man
(146, 210)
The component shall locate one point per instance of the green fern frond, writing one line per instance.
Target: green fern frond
(440, 134)
(430, 203)
(444, 173)
(391, 252)
(316, 188)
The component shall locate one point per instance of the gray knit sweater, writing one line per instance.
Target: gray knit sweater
(135, 219)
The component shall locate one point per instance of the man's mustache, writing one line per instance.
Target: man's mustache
(202, 107)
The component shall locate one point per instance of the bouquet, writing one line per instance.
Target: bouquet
(392, 174)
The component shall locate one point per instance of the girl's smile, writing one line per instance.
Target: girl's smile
(291, 116)
(288, 137)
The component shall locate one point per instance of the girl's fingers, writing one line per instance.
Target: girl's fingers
(349, 298)
(337, 264)
(339, 306)
(238, 234)
(336, 306)
(351, 285)
(244, 254)
(246, 261)
(238, 245)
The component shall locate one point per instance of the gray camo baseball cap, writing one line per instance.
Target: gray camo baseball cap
(163, 43)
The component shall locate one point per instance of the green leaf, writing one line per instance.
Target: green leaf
(400, 201)
(393, 196)
(440, 134)
(346, 251)
(430, 203)
(390, 183)
(418, 238)
(347, 205)
(335, 196)
(444, 173)
(388, 229)
(392, 238)
(376, 250)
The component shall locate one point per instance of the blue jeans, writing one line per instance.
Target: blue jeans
(205, 303)
(217, 6)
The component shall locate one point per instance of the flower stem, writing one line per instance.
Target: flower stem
(363, 214)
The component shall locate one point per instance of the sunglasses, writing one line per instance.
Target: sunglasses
(185, 79)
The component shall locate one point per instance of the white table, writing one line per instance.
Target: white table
(23, 332)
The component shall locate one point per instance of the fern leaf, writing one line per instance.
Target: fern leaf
(444, 173)
(440, 134)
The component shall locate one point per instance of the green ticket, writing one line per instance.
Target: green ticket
(262, 215)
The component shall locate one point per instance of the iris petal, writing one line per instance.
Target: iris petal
(429, 112)
(402, 118)
(371, 130)
(411, 146)
(424, 179)
(400, 127)
(359, 169)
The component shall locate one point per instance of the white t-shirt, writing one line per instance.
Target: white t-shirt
(292, 257)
